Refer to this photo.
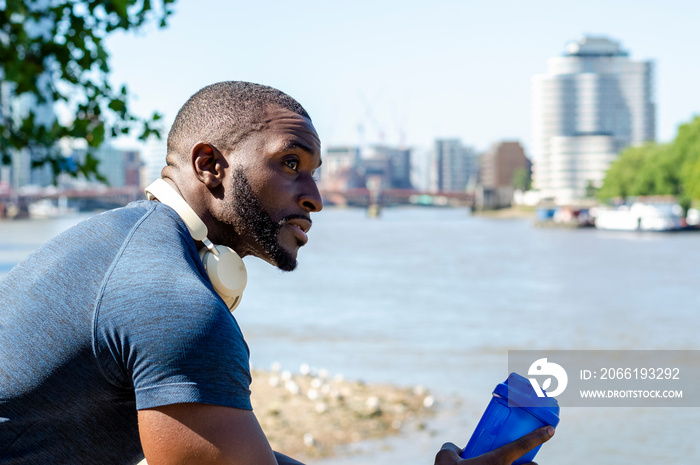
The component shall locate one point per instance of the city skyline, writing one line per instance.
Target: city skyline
(411, 72)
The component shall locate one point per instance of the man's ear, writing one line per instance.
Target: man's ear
(208, 164)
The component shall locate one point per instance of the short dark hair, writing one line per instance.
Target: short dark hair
(224, 114)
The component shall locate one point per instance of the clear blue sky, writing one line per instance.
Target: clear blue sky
(437, 68)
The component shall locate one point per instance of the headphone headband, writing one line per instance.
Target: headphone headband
(164, 192)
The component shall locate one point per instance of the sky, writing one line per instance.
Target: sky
(404, 72)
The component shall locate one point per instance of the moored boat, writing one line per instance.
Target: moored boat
(640, 216)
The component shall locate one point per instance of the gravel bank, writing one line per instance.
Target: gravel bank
(310, 414)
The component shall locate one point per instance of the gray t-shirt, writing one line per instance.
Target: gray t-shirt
(114, 315)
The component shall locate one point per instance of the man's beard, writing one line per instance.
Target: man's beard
(253, 218)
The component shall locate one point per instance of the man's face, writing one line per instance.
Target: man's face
(272, 190)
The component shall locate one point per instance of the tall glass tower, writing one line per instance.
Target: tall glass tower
(593, 102)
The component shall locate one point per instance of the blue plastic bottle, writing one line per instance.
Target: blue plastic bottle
(501, 423)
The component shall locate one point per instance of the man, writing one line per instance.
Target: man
(113, 341)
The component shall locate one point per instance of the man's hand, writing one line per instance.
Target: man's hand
(505, 455)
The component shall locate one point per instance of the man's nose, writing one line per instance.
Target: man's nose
(310, 200)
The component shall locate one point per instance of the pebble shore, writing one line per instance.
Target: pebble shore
(309, 414)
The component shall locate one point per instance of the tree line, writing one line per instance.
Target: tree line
(658, 169)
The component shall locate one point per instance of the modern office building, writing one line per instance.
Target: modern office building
(340, 168)
(13, 109)
(348, 167)
(338, 160)
(393, 164)
(453, 166)
(153, 158)
(593, 102)
(20, 173)
(120, 167)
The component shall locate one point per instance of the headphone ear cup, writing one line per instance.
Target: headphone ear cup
(226, 272)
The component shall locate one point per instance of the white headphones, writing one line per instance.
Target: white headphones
(223, 265)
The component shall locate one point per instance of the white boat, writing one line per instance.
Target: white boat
(641, 217)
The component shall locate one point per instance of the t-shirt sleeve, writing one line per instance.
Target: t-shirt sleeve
(190, 352)
(167, 336)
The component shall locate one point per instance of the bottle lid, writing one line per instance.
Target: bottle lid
(520, 393)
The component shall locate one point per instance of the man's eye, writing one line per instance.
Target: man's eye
(293, 164)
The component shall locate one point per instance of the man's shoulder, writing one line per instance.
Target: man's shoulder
(137, 224)
(109, 228)
(158, 256)
(142, 212)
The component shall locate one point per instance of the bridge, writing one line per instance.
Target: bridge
(15, 204)
(363, 197)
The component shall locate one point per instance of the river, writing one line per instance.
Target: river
(436, 297)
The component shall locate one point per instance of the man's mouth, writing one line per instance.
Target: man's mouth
(300, 226)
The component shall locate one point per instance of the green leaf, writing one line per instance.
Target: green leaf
(73, 56)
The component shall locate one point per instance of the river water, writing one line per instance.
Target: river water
(436, 297)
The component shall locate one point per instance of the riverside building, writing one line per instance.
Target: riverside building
(501, 163)
(593, 102)
(453, 166)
